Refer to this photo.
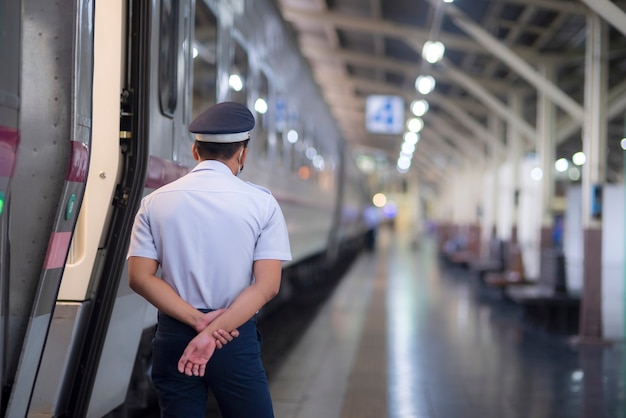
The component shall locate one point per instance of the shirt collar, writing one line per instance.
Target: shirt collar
(212, 165)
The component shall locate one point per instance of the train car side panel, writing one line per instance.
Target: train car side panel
(10, 21)
(56, 112)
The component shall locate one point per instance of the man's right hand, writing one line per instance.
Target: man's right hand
(221, 336)
(197, 355)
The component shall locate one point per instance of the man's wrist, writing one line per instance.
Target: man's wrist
(197, 321)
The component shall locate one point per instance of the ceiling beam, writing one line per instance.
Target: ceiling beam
(616, 106)
(430, 136)
(517, 64)
(609, 12)
(444, 128)
(384, 27)
(318, 53)
(492, 102)
(557, 6)
(470, 123)
(421, 162)
(431, 148)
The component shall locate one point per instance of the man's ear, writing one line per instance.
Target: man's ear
(194, 152)
(244, 155)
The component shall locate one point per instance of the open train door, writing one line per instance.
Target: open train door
(86, 296)
(46, 83)
(148, 91)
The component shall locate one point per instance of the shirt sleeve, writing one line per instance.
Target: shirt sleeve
(273, 242)
(141, 240)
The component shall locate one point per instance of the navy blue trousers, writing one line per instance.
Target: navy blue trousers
(234, 373)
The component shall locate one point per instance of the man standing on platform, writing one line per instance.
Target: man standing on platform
(220, 243)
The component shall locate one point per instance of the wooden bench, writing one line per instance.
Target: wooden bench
(465, 246)
(513, 274)
(496, 260)
(547, 303)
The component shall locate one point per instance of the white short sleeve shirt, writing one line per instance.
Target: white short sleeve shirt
(206, 229)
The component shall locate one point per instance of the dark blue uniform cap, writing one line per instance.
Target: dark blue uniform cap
(224, 122)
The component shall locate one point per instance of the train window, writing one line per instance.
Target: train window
(299, 147)
(305, 169)
(238, 78)
(279, 114)
(204, 90)
(293, 136)
(261, 109)
(168, 53)
(280, 143)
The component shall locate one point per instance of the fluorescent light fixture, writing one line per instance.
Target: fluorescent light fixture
(561, 165)
(536, 173)
(292, 136)
(433, 51)
(235, 82)
(419, 107)
(260, 105)
(425, 84)
(411, 137)
(415, 125)
(579, 158)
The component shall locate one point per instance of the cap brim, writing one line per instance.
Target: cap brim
(223, 138)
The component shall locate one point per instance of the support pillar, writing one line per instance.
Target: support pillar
(500, 211)
(546, 129)
(515, 146)
(594, 176)
(492, 166)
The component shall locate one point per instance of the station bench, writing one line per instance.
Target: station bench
(547, 302)
(496, 260)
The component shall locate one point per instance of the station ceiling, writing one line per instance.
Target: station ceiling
(493, 49)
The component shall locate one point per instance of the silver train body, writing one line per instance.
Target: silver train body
(95, 99)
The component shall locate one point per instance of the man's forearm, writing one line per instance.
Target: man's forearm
(247, 304)
(160, 294)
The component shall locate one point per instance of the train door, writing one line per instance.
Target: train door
(48, 174)
(10, 14)
(99, 322)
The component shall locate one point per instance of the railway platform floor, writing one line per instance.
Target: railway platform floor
(404, 336)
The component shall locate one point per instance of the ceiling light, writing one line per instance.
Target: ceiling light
(310, 153)
(419, 107)
(235, 82)
(574, 174)
(425, 84)
(318, 162)
(408, 155)
(415, 125)
(379, 200)
(404, 163)
(260, 105)
(366, 163)
(433, 51)
(579, 158)
(561, 165)
(411, 138)
(408, 148)
(292, 136)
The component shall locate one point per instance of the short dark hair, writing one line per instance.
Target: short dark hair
(218, 150)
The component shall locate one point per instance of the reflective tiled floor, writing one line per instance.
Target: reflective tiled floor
(453, 350)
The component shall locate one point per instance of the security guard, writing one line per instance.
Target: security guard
(220, 243)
